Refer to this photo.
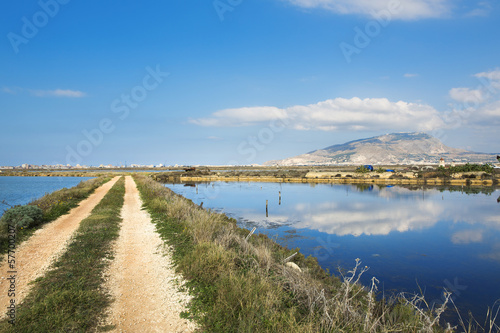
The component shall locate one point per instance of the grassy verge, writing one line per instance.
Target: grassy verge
(244, 286)
(70, 297)
(54, 205)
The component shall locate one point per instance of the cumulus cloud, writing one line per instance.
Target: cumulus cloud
(466, 95)
(479, 106)
(488, 114)
(399, 9)
(334, 114)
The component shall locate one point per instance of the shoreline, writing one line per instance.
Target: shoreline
(345, 180)
(297, 175)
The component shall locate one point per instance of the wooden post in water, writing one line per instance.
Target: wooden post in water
(280, 198)
(267, 211)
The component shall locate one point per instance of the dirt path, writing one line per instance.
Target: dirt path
(34, 256)
(140, 278)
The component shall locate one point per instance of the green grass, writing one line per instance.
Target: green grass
(53, 206)
(241, 286)
(70, 297)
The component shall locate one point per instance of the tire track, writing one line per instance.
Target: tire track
(141, 279)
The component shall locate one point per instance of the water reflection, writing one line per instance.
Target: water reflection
(368, 218)
(410, 237)
(467, 236)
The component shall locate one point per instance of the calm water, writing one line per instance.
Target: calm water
(430, 238)
(22, 190)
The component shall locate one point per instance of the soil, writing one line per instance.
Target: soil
(141, 279)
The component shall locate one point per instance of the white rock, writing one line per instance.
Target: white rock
(293, 265)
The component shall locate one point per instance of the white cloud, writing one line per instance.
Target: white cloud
(488, 114)
(410, 75)
(478, 12)
(214, 138)
(484, 9)
(467, 237)
(398, 9)
(241, 117)
(479, 106)
(45, 93)
(58, 93)
(10, 90)
(334, 114)
(492, 75)
(466, 95)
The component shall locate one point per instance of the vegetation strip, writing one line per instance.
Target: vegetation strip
(462, 175)
(70, 297)
(52, 205)
(241, 285)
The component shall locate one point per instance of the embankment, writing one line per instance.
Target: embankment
(54, 205)
(241, 282)
(401, 177)
(70, 296)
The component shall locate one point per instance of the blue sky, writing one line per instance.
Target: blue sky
(240, 81)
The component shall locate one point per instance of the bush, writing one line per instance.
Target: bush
(22, 217)
(362, 169)
(472, 168)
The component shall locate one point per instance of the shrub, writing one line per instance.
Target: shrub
(22, 217)
(362, 169)
(472, 168)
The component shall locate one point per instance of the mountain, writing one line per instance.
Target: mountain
(396, 148)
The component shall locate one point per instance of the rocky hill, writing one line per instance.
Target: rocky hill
(396, 148)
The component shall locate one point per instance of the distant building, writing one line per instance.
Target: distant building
(441, 162)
